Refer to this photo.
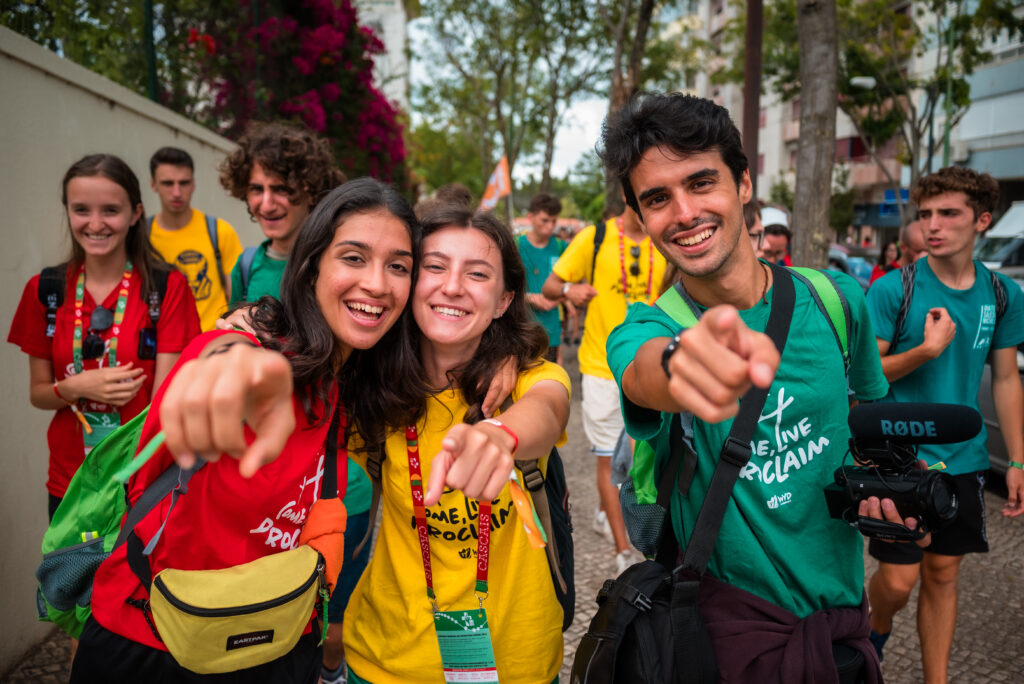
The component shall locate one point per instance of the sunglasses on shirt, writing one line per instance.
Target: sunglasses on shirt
(634, 268)
(100, 321)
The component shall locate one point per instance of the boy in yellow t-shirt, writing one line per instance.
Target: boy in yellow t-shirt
(203, 248)
(627, 269)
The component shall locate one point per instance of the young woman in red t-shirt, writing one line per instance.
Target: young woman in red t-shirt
(97, 362)
(338, 334)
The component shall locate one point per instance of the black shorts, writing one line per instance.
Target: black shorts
(965, 535)
(103, 656)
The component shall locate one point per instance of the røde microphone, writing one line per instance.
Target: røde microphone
(900, 423)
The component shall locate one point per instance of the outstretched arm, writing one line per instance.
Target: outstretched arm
(714, 365)
(478, 459)
(1008, 398)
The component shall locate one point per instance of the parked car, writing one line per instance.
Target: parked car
(996, 446)
(840, 260)
(1003, 244)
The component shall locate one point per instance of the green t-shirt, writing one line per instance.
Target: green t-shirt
(264, 277)
(538, 262)
(953, 377)
(777, 539)
(360, 492)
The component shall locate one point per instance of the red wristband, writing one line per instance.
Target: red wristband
(56, 390)
(507, 429)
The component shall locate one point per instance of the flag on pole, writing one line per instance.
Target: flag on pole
(497, 187)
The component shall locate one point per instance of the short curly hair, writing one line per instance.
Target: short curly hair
(981, 189)
(298, 156)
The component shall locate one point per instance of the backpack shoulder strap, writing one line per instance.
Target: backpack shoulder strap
(678, 305)
(374, 461)
(907, 274)
(599, 231)
(156, 295)
(831, 301)
(52, 281)
(211, 230)
(245, 263)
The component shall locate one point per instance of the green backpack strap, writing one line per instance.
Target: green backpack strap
(678, 306)
(832, 302)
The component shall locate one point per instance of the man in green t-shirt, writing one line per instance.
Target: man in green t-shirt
(682, 166)
(952, 327)
(280, 171)
(539, 251)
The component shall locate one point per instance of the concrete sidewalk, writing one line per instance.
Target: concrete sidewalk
(989, 643)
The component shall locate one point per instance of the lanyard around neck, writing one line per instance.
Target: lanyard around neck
(622, 266)
(122, 302)
(420, 512)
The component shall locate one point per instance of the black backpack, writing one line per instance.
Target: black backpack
(52, 282)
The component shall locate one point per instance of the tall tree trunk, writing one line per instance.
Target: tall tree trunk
(752, 86)
(816, 31)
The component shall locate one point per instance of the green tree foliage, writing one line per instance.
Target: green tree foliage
(226, 64)
(888, 41)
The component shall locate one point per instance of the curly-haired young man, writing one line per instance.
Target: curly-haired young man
(952, 326)
(281, 171)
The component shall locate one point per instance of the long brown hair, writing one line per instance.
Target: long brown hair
(515, 334)
(145, 259)
(379, 386)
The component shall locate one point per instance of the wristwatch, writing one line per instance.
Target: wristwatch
(670, 349)
(565, 288)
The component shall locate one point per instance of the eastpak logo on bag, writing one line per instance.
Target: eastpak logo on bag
(237, 641)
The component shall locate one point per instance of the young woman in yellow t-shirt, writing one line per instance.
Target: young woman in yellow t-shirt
(443, 563)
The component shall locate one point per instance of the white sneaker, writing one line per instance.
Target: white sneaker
(624, 559)
(601, 525)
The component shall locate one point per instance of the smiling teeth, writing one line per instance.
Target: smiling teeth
(695, 239)
(366, 307)
(448, 311)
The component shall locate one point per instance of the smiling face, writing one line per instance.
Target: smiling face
(174, 185)
(271, 204)
(460, 288)
(949, 225)
(100, 214)
(365, 277)
(692, 208)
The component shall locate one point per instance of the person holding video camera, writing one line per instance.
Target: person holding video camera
(791, 576)
(937, 321)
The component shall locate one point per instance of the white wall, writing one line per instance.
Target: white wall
(52, 113)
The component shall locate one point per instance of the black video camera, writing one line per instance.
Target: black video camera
(884, 440)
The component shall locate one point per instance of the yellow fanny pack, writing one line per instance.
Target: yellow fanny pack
(216, 621)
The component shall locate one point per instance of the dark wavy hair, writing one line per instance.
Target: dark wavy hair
(684, 124)
(302, 159)
(379, 386)
(515, 333)
(981, 189)
(145, 259)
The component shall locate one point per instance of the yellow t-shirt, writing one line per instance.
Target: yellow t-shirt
(189, 250)
(389, 624)
(608, 308)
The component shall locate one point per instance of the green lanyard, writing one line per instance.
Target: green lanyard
(122, 302)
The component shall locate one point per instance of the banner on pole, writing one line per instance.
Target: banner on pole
(497, 187)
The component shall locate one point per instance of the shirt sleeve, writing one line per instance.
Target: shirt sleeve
(179, 320)
(643, 322)
(866, 378)
(574, 264)
(1010, 329)
(28, 329)
(884, 299)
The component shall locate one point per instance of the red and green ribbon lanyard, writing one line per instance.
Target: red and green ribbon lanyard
(622, 267)
(420, 512)
(122, 302)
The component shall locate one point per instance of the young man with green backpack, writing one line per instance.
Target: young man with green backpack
(778, 552)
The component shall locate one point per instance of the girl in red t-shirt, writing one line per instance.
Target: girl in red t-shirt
(96, 358)
(333, 337)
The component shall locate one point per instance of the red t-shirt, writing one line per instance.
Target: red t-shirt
(178, 324)
(223, 520)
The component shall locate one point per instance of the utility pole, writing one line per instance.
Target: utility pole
(752, 86)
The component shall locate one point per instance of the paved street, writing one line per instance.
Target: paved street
(989, 645)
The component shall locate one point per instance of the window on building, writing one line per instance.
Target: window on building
(792, 160)
(760, 165)
(762, 117)
(795, 113)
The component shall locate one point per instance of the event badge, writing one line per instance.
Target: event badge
(102, 424)
(465, 642)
